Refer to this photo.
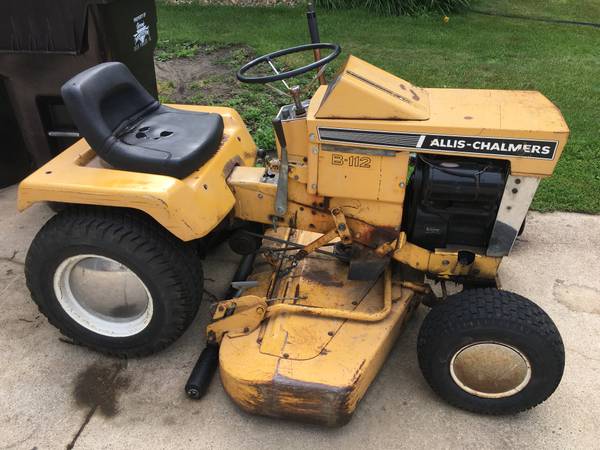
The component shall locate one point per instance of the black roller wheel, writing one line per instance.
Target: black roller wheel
(114, 280)
(243, 239)
(491, 352)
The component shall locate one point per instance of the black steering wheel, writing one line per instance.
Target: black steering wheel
(269, 58)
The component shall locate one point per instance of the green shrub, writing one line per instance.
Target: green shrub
(397, 7)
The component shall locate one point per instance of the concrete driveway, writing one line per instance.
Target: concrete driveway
(56, 395)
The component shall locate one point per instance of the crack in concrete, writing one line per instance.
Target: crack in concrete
(20, 441)
(10, 283)
(11, 259)
(213, 297)
(86, 420)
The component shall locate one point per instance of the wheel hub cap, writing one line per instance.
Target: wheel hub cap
(103, 295)
(490, 369)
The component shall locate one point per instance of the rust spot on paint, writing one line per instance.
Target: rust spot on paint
(322, 277)
(358, 372)
(302, 401)
(231, 164)
(370, 235)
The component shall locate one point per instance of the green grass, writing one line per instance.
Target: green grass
(577, 10)
(472, 50)
(395, 7)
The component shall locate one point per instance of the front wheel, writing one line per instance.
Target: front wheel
(114, 280)
(491, 352)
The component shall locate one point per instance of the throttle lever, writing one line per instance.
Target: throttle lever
(281, 196)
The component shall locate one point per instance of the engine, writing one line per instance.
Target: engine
(452, 202)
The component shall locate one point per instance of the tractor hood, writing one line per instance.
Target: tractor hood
(363, 91)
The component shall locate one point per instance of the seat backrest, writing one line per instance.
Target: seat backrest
(103, 100)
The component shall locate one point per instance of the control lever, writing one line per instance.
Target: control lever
(281, 197)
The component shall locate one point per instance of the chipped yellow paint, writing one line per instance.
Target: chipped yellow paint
(249, 313)
(368, 220)
(363, 91)
(299, 366)
(444, 263)
(189, 208)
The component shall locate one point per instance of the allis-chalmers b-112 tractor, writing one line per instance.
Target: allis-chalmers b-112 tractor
(376, 189)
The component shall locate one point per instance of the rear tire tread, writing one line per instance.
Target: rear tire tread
(124, 228)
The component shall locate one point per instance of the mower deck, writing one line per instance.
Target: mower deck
(310, 368)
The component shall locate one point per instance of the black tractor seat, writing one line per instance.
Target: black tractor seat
(131, 130)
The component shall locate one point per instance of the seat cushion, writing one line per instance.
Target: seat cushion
(131, 130)
(166, 141)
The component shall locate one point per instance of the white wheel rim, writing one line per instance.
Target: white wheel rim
(490, 369)
(103, 295)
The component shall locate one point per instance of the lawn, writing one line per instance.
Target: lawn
(471, 50)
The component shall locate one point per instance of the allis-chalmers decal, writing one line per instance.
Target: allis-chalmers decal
(526, 148)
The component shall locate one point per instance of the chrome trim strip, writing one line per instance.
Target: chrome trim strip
(516, 199)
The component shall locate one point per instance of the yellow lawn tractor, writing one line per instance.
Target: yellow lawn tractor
(377, 189)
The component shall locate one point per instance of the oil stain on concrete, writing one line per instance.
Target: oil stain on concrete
(577, 298)
(99, 387)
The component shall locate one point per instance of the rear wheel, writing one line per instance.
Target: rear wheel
(490, 351)
(114, 280)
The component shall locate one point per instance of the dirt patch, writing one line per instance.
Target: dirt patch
(206, 77)
(99, 387)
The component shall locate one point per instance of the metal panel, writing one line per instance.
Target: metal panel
(382, 95)
(369, 137)
(518, 194)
